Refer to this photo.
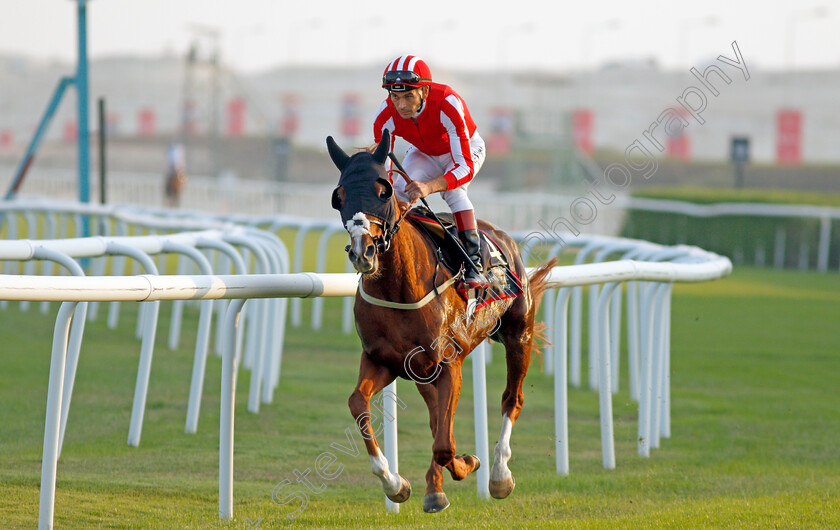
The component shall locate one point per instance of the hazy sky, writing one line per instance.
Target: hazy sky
(522, 34)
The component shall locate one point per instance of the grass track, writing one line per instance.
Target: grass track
(755, 428)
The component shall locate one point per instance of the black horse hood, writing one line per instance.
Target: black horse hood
(358, 175)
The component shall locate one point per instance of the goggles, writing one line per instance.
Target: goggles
(401, 80)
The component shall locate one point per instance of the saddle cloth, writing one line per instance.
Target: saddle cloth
(504, 283)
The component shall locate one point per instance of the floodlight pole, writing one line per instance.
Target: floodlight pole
(29, 156)
(80, 80)
(82, 98)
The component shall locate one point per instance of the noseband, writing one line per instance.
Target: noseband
(389, 230)
(383, 241)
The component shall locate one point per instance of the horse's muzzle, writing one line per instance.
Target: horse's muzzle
(362, 255)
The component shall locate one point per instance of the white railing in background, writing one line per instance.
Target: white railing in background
(652, 270)
(825, 215)
(230, 196)
(513, 211)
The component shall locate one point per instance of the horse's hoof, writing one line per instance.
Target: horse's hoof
(473, 458)
(499, 489)
(403, 494)
(469, 460)
(435, 502)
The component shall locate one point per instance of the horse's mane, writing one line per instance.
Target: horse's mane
(369, 149)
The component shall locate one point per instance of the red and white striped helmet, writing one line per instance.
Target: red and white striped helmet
(406, 73)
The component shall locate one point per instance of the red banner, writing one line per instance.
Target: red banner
(6, 139)
(789, 137)
(146, 122)
(501, 131)
(236, 117)
(679, 147)
(290, 122)
(351, 121)
(583, 124)
(68, 134)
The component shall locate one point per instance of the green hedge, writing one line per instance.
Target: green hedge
(742, 238)
(718, 195)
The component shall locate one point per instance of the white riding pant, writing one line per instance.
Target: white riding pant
(424, 168)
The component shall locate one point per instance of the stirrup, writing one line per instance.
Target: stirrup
(475, 280)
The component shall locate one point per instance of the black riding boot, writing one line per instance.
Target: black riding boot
(473, 277)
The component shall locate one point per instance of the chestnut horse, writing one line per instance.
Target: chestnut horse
(426, 344)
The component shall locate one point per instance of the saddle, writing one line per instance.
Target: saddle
(504, 281)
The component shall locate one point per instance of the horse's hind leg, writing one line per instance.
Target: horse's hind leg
(372, 379)
(518, 355)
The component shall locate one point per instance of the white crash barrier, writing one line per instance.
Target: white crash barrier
(153, 288)
(649, 275)
(266, 335)
(695, 266)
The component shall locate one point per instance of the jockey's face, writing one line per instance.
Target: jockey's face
(408, 103)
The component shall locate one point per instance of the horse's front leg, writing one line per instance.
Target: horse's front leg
(372, 379)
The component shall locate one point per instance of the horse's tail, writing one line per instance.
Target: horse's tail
(538, 281)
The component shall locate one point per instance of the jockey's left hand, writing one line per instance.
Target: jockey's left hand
(418, 189)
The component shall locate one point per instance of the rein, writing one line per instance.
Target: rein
(383, 244)
(407, 181)
(436, 291)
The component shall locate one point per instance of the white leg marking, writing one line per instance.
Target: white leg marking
(390, 481)
(502, 453)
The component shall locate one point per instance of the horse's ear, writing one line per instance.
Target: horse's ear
(381, 152)
(339, 157)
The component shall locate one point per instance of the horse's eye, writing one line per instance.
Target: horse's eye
(336, 198)
(383, 194)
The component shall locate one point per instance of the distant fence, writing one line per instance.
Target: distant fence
(211, 244)
(778, 235)
(230, 195)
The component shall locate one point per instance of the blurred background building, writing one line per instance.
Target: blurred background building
(540, 126)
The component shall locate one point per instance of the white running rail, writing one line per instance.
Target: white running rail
(652, 271)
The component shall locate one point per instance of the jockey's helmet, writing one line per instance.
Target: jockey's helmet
(406, 73)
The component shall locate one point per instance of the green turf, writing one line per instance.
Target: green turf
(755, 428)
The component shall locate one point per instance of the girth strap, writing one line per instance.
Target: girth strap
(431, 295)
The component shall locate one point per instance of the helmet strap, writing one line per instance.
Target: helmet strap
(422, 99)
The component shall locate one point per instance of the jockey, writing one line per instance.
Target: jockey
(445, 150)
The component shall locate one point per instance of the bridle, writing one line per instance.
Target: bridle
(367, 213)
(383, 244)
(383, 241)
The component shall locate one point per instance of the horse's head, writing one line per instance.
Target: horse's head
(365, 198)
